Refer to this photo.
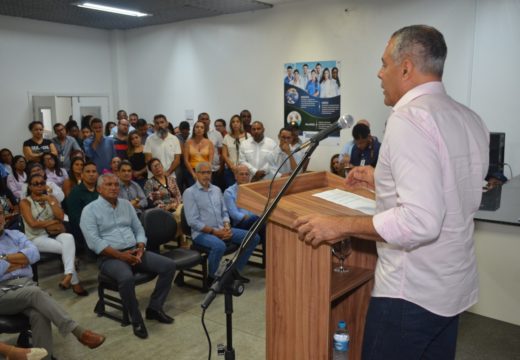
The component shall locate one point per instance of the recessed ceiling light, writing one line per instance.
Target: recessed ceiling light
(112, 9)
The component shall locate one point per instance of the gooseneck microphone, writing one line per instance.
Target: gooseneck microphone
(344, 122)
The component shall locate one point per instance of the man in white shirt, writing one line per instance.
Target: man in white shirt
(255, 152)
(163, 145)
(217, 166)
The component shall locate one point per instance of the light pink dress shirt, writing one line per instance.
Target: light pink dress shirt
(429, 176)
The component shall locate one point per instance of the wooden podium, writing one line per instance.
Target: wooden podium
(305, 298)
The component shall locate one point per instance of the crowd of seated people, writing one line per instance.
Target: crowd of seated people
(64, 193)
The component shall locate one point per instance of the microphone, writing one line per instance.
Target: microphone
(344, 122)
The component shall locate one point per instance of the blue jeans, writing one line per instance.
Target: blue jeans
(248, 223)
(401, 330)
(218, 247)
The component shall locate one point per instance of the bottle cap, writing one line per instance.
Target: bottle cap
(342, 324)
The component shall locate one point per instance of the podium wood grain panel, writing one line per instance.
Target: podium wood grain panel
(305, 299)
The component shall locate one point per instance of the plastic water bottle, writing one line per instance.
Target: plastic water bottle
(341, 342)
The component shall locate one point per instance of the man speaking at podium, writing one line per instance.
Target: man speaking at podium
(428, 181)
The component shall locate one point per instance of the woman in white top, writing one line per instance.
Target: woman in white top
(54, 172)
(231, 148)
(17, 178)
(328, 86)
(41, 211)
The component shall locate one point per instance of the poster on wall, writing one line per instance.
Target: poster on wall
(312, 97)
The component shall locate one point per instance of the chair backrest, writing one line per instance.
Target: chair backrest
(186, 230)
(159, 226)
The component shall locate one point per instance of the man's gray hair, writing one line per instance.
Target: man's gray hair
(201, 164)
(102, 178)
(425, 45)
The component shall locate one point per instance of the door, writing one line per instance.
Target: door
(96, 106)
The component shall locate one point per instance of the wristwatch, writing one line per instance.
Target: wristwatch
(3, 256)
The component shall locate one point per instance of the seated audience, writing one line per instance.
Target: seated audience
(99, 148)
(54, 172)
(208, 218)
(80, 196)
(51, 187)
(22, 295)
(163, 145)
(366, 147)
(6, 159)
(113, 231)
(277, 158)
(64, 145)
(76, 169)
(254, 152)
(231, 148)
(36, 146)
(240, 218)
(162, 192)
(43, 221)
(18, 176)
(130, 190)
(197, 149)
(137, 158)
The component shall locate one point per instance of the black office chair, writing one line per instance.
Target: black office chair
(230, 247)
(17, 323)
(160, 228)
(105, 282)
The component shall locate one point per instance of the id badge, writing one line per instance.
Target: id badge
(362, 163)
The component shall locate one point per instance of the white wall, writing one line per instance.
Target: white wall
(496, 75)
(42, 58)
(224, 64)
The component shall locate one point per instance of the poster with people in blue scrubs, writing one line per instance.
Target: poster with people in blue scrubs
(312, 95)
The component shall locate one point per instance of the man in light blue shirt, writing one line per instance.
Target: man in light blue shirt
(208, 218)
(112, 230)
(240, 217)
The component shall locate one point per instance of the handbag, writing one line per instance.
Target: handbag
(55, 229)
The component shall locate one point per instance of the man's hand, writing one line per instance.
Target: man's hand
(223, 234)
(259, 175)
(139, 253)
(13, 267)
(129, 256)
(361, 177)
(285, 148)
(315, 229)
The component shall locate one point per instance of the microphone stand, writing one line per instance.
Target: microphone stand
(226, 277)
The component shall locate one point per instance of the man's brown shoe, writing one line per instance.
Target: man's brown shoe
(91, 339)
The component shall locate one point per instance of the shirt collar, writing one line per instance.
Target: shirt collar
(429, 88)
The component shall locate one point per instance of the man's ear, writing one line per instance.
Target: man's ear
(406, 68)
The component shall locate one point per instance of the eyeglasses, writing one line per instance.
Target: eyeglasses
(204, 172)
(41, 183)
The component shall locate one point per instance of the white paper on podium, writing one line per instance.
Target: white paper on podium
(350, 200)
